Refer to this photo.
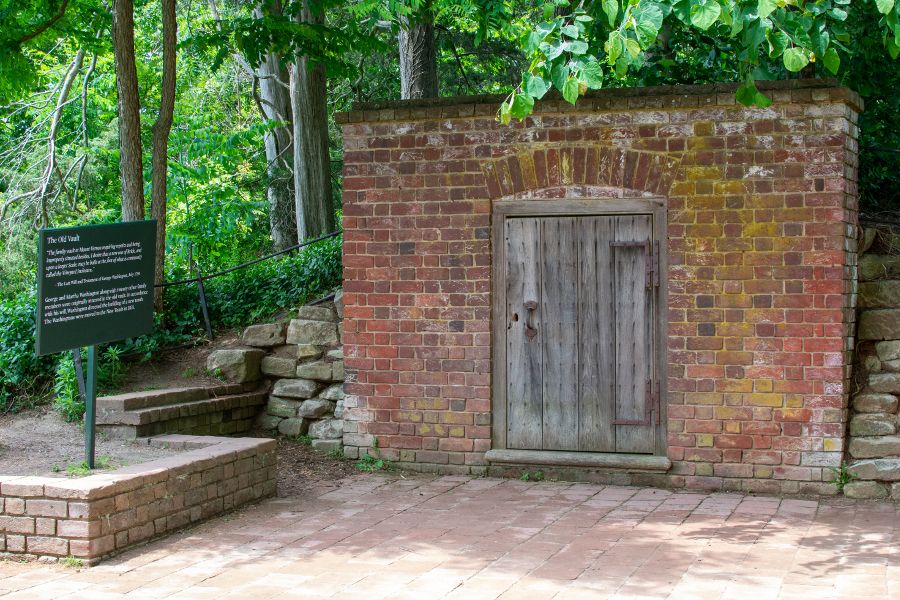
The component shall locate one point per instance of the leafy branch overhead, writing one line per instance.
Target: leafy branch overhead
(579, 47)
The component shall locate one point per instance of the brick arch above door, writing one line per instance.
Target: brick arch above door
(590, 167)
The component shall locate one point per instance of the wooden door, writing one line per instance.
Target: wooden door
(581, 333)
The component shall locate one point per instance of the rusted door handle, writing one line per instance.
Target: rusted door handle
(530, 307)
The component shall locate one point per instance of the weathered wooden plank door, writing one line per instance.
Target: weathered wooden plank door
(581, 333)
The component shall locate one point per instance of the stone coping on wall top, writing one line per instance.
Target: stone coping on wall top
(660, 97)
(199, 450)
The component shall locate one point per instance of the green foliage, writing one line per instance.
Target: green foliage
(569, 46)
(841, 477)
(531, 476)
(370, 464)
(304, 439)
(67, 398)
(72, 562)
(22, 373)
(81, 469)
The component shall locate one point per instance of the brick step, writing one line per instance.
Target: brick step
(202, 411)
(153, 398)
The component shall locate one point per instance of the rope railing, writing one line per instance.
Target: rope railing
(251, 262)
(200, 278)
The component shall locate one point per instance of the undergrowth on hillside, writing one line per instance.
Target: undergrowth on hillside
(235, 299)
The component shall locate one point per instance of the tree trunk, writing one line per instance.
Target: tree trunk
(161, 129)
(275, 104)
(418, 58)
(130, 168)
(312, 161)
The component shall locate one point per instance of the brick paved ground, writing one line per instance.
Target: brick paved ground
(456, 537)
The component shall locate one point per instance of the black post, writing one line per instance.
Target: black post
(203, 307)
(79, 372)
(90, 407)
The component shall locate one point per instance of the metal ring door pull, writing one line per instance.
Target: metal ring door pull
(530, 307)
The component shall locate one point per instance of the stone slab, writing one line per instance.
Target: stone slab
(266, 335)
(875, 447)
(295, 388)
(237, 365)
(314, 333)
(875, 403)
(880, 324)
(878, 469)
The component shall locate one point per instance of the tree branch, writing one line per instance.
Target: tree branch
(45, 25)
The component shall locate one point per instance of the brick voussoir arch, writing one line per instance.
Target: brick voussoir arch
(536, 168)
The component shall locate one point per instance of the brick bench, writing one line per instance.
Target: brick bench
(96, 516)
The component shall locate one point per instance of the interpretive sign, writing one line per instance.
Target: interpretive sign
(95, 284)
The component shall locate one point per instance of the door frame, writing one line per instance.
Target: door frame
(656, 207)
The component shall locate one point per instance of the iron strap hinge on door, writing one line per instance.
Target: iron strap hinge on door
(651, 409)
(651, 259)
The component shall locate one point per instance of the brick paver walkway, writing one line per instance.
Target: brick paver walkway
(454, 537)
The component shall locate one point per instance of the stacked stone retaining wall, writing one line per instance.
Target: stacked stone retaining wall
(874, 446)
(303, 361)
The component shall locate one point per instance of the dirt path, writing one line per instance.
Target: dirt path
(40, 442)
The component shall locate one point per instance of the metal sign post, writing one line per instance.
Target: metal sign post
(90, 407)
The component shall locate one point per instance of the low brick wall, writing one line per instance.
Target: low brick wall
(96, 516)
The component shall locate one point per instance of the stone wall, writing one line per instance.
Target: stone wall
(762, 242)
(96, 516)
(303, 361)
(874, 446)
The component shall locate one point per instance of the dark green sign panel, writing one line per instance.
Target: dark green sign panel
(95, 284)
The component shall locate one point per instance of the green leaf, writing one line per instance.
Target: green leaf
(682, 10)
(634, 49)
(522, 106)
(584, 18)
(533, 41)
(753, 35)
(592, 75)
(649, 19)
(838, 13)
(762, 101)
(884, 6)
(505, 114)
(766, 8)
(892, 47)
(705, 13)
(832, 61)
(552, 51)
(569, 30)
(576, 47)
(615, 46)
(536, 86)
(558, 75)
(611, 8)
(795, 59)
(778, 41)
(746, 93)
(570, 90)
(820, 38)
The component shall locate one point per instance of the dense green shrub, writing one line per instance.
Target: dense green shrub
(22, 373)
(67, 396)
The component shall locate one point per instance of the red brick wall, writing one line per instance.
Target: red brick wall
(761, 226)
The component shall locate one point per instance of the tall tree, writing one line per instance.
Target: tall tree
(129, 104)
(161, 129)
(275, 105)
(418, 56)
(312, 159)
